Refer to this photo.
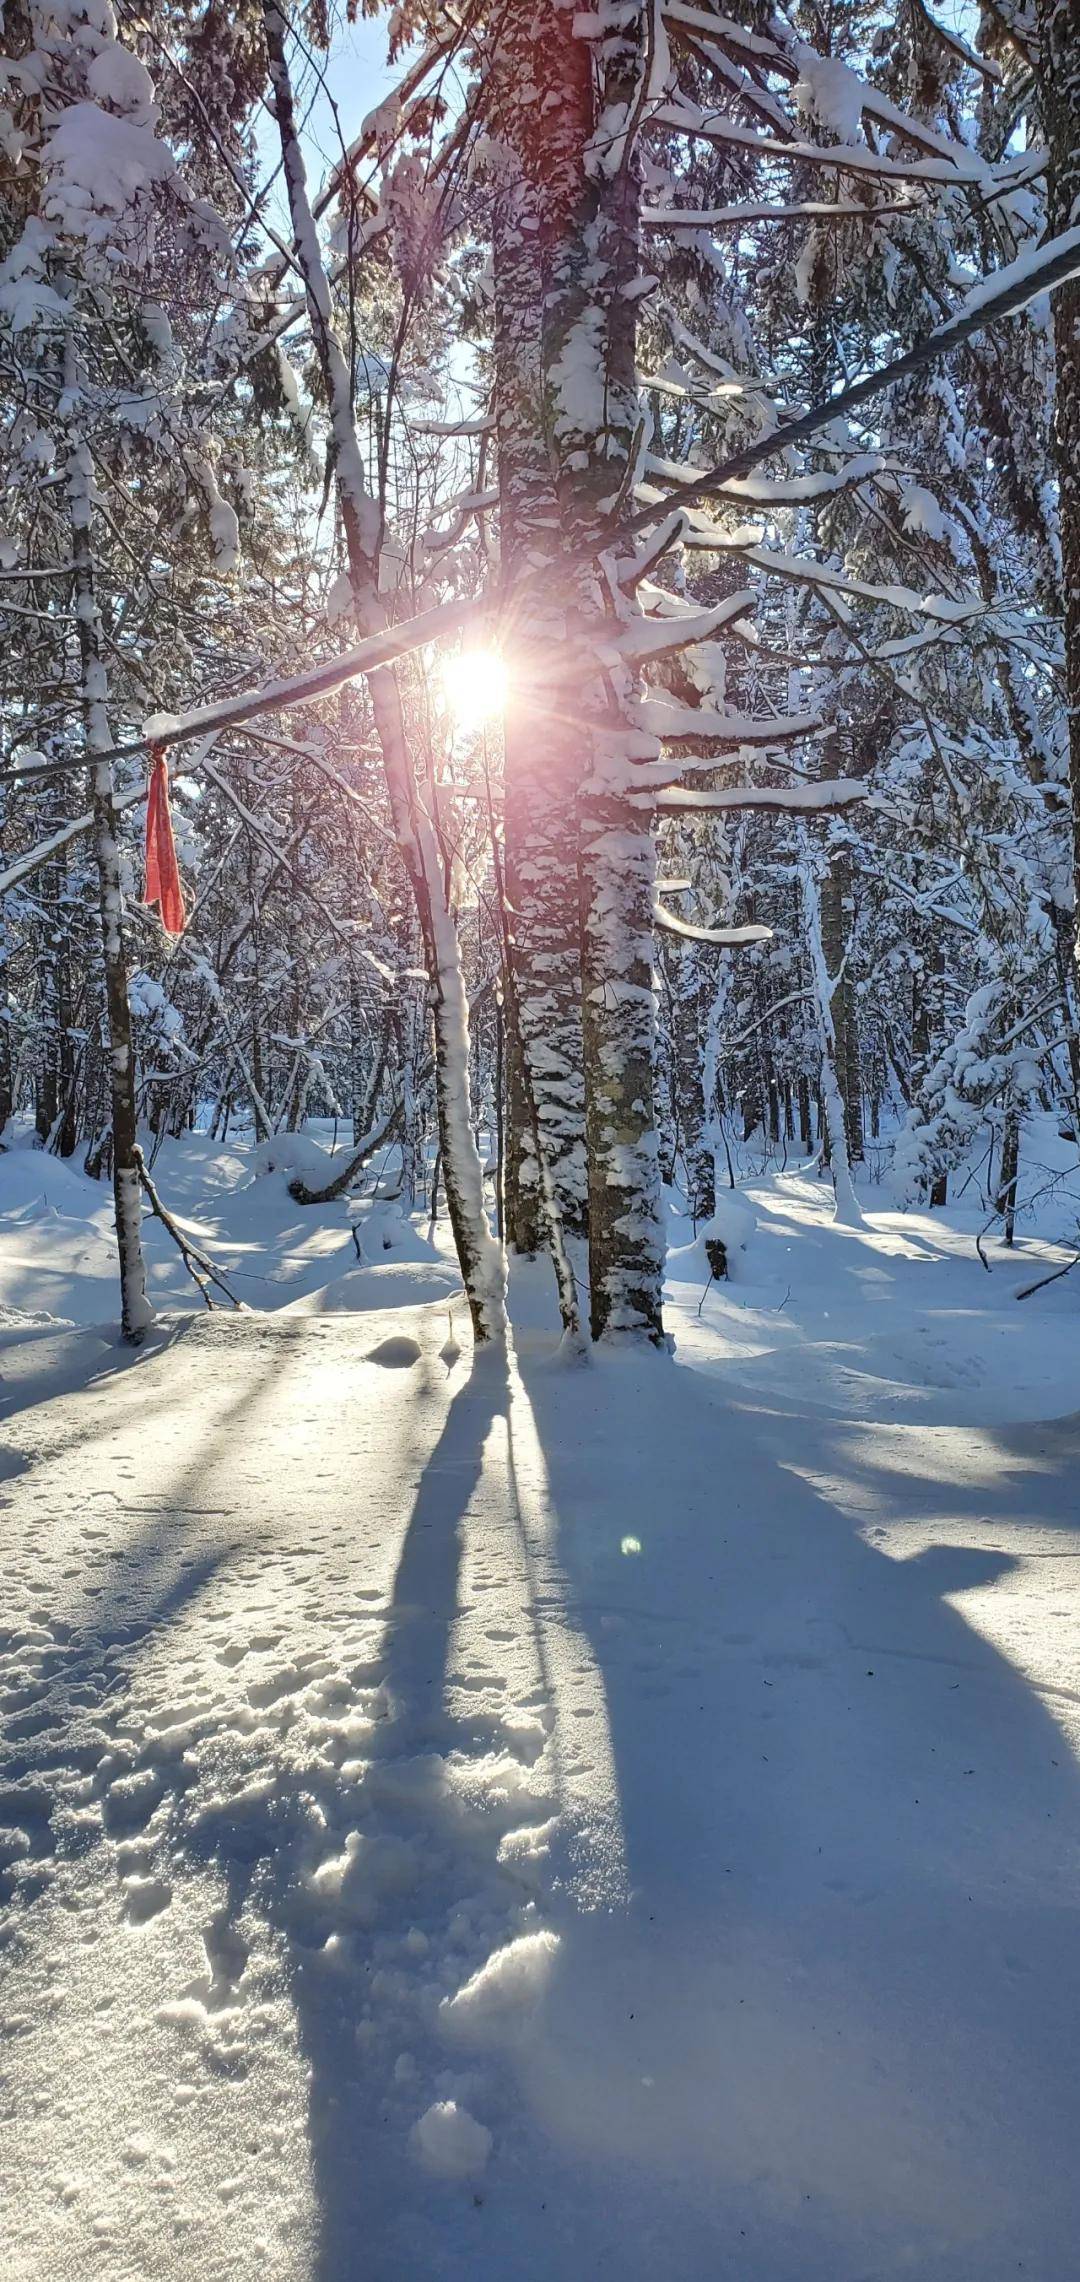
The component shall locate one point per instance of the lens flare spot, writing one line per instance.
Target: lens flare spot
(474, 685)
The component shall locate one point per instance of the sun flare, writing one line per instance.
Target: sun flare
(475, 685)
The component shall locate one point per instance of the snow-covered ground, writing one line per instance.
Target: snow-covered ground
(58, 1242)
(524, 1822)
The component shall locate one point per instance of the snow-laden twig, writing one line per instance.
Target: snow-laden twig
(199, 1266)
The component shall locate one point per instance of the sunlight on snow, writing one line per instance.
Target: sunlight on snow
(1037, 1559)
(588, 1785)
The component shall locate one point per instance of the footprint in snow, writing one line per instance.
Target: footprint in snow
(395, 1353)
(145, 1898)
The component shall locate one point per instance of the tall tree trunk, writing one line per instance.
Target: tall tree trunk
(1058, 24)
(590, 381)
(806, 1130)
(1010, 1167)
(927, 1030)
(46, 1092)
(7, 1057)
(479, 1255)
(52, 958)
(852, 1085)
(541, 107)
(837, 924)
(136, 1311)
(694, 994)
(848, 1210)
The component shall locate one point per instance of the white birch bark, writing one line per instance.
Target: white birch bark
(540, 131)
(480, 1256)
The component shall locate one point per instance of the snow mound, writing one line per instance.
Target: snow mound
(32, 1319)
(733, 1221)
(32, 1183)
(290, 1153)
(732, 1224)
(450, 2142)
(398, 1284)
(385, 1228)
(372, 1874)
(505, 1987)
(395, 1354)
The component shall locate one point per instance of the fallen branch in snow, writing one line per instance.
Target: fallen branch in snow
(707, 1290)
(385, 1130)
(201, 1269)
(1042, 1281)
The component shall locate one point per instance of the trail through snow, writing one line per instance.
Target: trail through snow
(509, 1822)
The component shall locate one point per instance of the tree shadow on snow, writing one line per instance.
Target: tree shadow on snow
(344, 1856)
(827, 2032)
(831, 2034)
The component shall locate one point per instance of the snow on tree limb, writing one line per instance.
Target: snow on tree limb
(673, 723)
(645, 638)
(677, 218)
(820, 795)
(295, 689)
(1003, 294)
(23, 867)
(301, 688)
(782, 491)
(684, 118)
(730, 938)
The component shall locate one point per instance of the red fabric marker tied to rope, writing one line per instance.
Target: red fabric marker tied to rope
(162, 870)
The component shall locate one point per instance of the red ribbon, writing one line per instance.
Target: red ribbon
(162, 870)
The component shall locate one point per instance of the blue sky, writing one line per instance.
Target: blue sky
(358, 76)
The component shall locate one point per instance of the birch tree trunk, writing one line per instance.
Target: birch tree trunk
(480, 1257)
(136, 1312)
(591, 411)
(541, 108)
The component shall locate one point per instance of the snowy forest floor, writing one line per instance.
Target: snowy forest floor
(517, 1822)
